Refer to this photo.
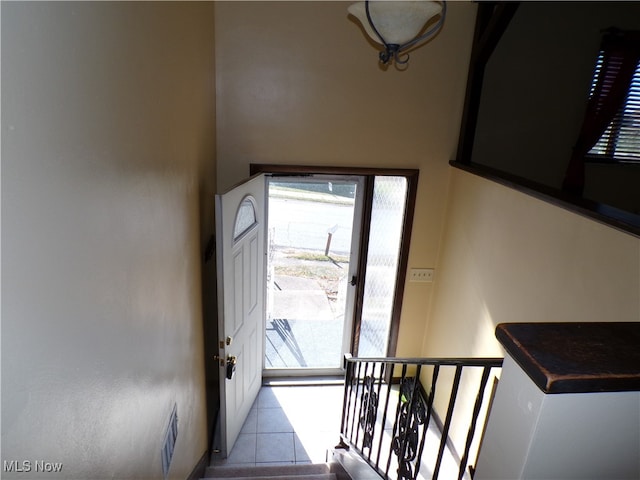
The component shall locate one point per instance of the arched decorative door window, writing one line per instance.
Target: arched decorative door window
(246, 218)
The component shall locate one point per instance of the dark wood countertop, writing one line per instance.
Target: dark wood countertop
(576, 357)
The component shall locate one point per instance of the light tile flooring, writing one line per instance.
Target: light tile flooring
(289, 424)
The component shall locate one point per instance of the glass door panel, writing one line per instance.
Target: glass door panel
(313, 231)
(385, 235)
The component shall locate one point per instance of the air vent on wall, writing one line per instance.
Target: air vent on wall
(170, 436)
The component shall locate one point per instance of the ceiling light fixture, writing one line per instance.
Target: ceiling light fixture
(398, 25)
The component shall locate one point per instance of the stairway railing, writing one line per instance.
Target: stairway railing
(393, 407)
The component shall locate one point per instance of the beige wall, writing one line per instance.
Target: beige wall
(509, 257)
(107, 131)
(298, 83)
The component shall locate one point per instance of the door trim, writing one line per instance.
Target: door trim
(412, 186)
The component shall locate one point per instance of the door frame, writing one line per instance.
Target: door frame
(411, 176)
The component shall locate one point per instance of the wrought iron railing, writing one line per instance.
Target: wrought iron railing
(393, 409)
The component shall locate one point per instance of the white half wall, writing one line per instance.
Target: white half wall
(571, 436)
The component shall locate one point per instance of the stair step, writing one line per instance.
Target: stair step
(353, 465)
(313, 471)
(322, 476)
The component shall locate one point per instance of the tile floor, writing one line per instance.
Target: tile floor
(289, 424)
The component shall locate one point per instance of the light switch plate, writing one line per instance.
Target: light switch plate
(421, 275)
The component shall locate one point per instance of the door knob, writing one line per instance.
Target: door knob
(231, 366)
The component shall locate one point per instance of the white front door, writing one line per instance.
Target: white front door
(240, 229)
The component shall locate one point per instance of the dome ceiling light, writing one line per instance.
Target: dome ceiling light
(398, 25)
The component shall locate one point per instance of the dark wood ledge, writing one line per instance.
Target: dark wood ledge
(576, 357)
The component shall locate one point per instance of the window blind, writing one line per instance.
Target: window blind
(620, 141)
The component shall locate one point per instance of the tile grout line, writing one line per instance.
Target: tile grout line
(297, 454)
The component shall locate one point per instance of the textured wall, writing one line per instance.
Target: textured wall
(107, 131)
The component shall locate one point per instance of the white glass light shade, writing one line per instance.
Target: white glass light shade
(397, 21)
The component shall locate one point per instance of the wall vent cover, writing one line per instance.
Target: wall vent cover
(170, 436)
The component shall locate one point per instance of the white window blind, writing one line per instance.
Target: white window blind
(621, 140)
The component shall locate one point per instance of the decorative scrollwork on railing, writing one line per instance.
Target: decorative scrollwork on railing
(387, 392)
(369, 401)
(406, 442)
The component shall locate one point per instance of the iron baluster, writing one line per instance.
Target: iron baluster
(447, 422)
(361, 400)
(413, 415)
(474, 419)
(429, 400)
(384, 416)
(396, 421)
(356, 382)
(369, 408)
